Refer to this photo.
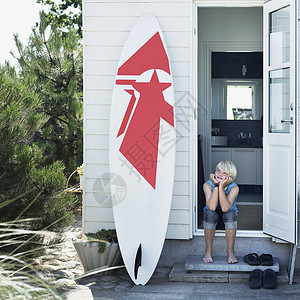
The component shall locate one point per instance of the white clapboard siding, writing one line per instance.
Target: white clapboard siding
(182, 173)
(184, 99)
(97, 126)
(95, 112)
(106, 27)
(178, 231)
(181, 188)
(182, 158)
(174, 39)
(180, 202)
(98, 96)
(97, 141)
(91, 183)
(134, 1)
(136, 9)
(94, 213)
(182, 128)
(112, 24)
(97, 170)
(99, 82)
(99, 200)
(96, 156)
(100, 67)
(183, 113)
(95, 226)
(101, 53)
(179, 216)
(182, 143)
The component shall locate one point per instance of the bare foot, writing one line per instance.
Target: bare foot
(208, 258)
(231, 258)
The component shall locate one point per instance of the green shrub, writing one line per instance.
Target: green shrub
(23, 170)
(53, 60)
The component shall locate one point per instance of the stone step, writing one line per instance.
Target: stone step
(220, 264)
(179, 274)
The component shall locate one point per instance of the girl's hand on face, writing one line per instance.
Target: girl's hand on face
(213, 178)
(226, 182)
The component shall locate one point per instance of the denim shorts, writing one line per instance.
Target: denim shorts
(210, 219)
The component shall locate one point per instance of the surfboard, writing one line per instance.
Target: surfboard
(142, 147)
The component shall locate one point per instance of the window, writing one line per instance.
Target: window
(236, 99)
(239, 100)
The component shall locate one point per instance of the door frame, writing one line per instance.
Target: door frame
(194, 73)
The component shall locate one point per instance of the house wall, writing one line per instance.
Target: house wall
(106, 27)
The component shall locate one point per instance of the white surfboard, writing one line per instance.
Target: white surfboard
(142, 148)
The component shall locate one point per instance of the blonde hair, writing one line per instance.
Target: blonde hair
(228, 167)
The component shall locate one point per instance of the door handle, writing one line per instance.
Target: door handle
(291, 121)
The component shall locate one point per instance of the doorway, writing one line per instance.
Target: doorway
(230, 46)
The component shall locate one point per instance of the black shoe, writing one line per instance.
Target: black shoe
(269, 279)
(266, 260)
(252, 259)
(255, 279)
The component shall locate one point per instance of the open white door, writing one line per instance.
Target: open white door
(279, 184)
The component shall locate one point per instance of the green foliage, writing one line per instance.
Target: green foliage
(66, 13)
(23, 170)
(18, 279)
(53, 61)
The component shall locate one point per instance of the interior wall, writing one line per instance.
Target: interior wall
(230, 24)
(223, 29)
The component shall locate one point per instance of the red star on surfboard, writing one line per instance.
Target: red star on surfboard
(141, 141)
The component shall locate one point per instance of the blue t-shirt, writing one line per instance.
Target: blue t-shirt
(227, 190)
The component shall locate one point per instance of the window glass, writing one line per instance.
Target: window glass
(279, 100)
(239, 102)
(280, 36)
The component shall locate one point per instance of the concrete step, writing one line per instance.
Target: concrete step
(180, 274)
(220, 264)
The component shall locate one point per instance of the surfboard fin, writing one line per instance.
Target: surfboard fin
(138, 261)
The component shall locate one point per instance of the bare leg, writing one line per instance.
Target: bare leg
(230, 236)
(209, 238)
